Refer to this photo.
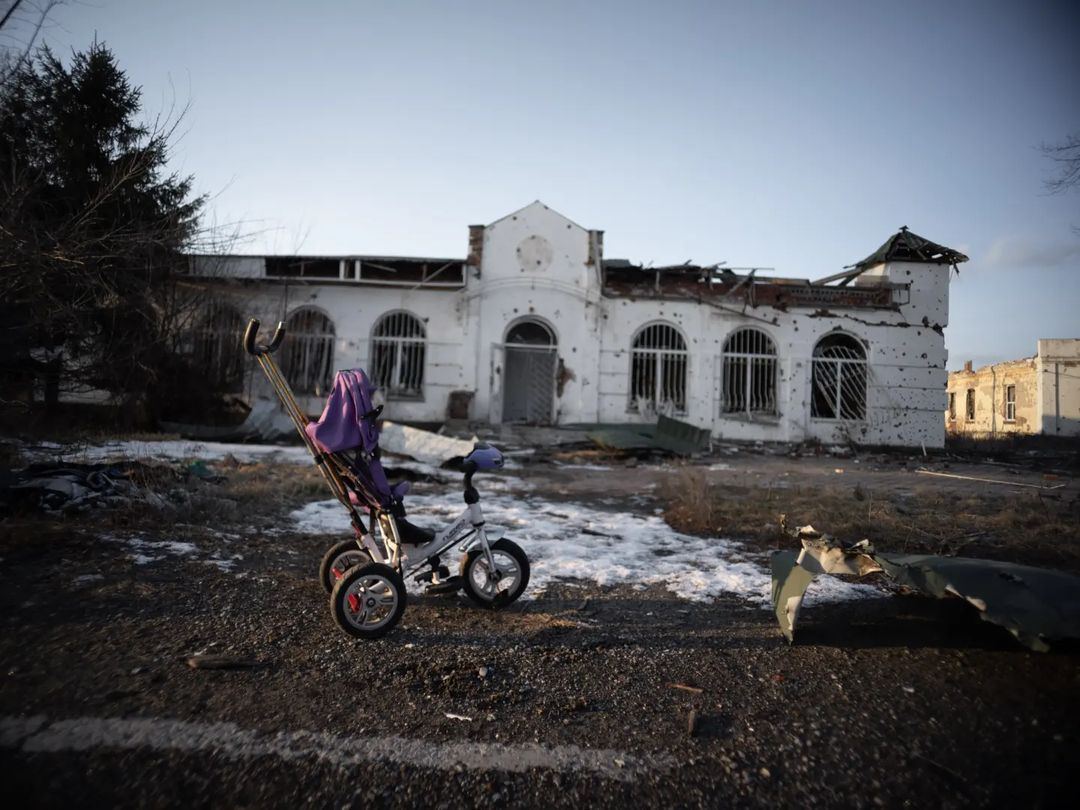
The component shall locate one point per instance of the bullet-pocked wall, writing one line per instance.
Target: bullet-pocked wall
(537, 266)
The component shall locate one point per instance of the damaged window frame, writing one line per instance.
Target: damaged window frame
(969, 405)
(749, 369)
(952, 406)
(216, 350)
(307, 356)
(399, 358)
(1010, 402)
(844, 395)
(659, 361)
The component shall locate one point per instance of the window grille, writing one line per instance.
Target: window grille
(658, 363)
(748, 373)
(839, 379)
(307, 357)
(217, 348)
(1010, 403)
(398, 344)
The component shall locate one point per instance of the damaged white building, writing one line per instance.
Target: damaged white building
(535, 325)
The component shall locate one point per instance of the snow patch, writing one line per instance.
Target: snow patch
(168, 450)
(144, 552)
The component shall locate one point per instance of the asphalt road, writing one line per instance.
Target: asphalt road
(581, 696)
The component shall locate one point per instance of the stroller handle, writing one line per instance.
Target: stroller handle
(267, 348)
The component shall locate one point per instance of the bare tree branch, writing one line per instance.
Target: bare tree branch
(21, 26)
(1067, 155)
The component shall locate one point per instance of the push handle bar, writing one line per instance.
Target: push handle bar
(267, 348)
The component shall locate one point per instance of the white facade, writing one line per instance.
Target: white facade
(537, 265)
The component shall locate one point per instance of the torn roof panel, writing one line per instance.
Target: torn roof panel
(708, 285)
(905, 246)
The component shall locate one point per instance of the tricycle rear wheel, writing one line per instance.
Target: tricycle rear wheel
(368, 601)
(339, 559)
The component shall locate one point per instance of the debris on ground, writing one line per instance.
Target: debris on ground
(1036, 605)
(69, 486)
(981, 479)
(686, 688)
(422, 445)
(671, 435)
(211, 661)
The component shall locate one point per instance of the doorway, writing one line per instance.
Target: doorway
(529, 382)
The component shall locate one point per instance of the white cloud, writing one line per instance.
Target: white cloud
(1011, 252)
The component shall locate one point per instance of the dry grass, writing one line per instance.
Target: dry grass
(1033, 528)
(253, 494)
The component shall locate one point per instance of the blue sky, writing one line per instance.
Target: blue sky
(794, 135)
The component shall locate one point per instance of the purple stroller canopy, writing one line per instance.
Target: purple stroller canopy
(348, 422)
(343, 425)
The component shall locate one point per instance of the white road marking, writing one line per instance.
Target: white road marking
(37, 734)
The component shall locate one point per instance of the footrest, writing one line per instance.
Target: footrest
(449, 585)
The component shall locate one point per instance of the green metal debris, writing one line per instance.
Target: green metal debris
(668, 434)
(1036, 605)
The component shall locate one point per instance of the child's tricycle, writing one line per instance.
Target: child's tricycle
(365, 575)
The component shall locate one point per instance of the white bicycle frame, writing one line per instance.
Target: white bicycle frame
(467, 529)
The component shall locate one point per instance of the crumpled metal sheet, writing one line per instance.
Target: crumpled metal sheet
(1036, 605)
(789, 583)
(422, 445)
(672, 435)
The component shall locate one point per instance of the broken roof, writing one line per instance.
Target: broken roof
(905, 246)
(719, 285)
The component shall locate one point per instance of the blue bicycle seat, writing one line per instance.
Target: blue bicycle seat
(485, 457)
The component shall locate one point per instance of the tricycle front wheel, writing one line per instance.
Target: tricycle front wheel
(498, 588)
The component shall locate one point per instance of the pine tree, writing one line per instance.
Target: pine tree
(92, 231)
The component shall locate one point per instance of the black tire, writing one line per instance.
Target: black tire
(332, 567)
(501, 598)
(374, 575)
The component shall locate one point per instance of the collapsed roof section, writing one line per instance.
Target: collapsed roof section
(905, 246)
(722, 286)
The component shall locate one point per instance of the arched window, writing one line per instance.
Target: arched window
(839, 379)
(397, 355)
(217, 347)
(530, 333)
(307, 356)
(748, 374)
(658, 370)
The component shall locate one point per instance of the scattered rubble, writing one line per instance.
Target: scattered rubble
(69, 486)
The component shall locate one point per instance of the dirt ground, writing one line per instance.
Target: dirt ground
(580, 695)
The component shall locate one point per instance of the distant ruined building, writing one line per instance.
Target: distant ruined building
(535, 326)
(1035, 395)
